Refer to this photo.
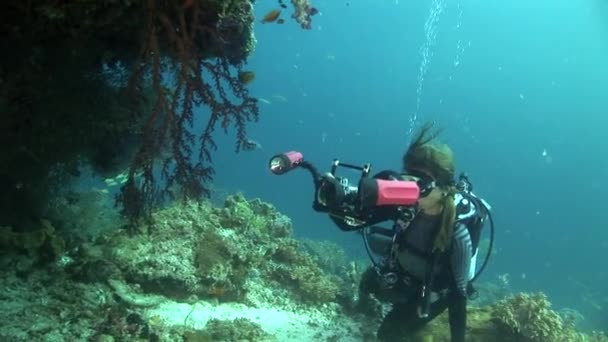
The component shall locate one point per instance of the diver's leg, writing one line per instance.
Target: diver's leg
(403, 320)
(457, 310)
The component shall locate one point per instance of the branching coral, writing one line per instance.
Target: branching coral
(187, 35)
(114, 83)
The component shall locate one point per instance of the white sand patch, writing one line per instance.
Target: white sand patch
(285, 324)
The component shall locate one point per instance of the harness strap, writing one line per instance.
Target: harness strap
(388, 271)
(400, 226)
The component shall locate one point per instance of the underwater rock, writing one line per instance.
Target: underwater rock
(41, 244)
(239, 329)
(193, 249)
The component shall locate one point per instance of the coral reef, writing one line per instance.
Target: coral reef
(41, 244)
(530, 317)
(232, 273)
(327, 254)
(346, 273)
(523, 317)
(303, 12)
(44, 305)
(240, 329)
(490, 292)
(207, 258)
(82, 216)
(181, 255)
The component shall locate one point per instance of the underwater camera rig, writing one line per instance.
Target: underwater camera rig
(353, 206)
(375, 199)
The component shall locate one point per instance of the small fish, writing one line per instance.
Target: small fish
(120, 178)
(312, 11)
(279, 98)
(271, 16)
(281, 21)
(250, 145)
(188, 4)
(101, 191)
(110, 182)
(246, 77)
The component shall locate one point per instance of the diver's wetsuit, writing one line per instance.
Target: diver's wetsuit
(450, 281)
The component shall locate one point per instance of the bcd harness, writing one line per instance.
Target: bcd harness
(473, 220)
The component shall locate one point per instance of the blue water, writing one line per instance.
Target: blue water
(519, 87)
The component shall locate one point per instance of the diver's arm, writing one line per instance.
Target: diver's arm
(460, 262)
(461, 253)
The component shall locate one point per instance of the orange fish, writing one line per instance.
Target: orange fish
(271, 16)
(246, 77)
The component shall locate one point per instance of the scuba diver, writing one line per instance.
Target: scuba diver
(426, 261)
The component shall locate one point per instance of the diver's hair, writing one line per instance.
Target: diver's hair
(430, 157)
(437, 160)
(443, 236)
